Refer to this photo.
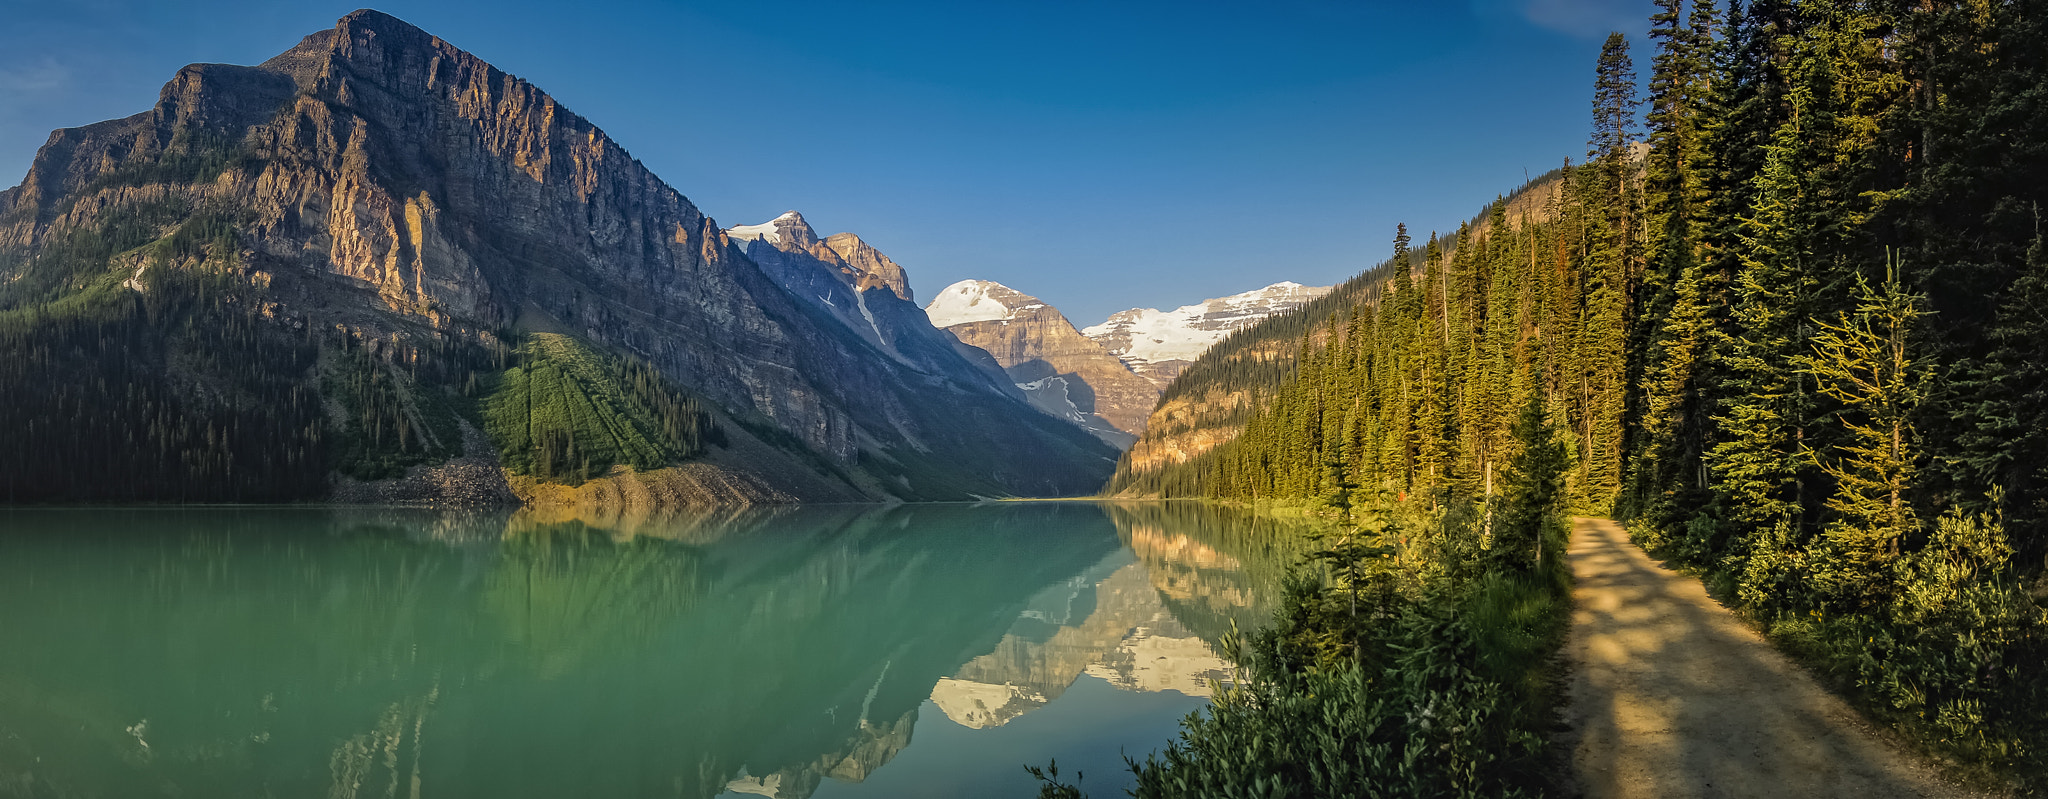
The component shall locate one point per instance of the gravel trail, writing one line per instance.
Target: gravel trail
(1673, 696)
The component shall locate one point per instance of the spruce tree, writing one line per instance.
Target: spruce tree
(1533, 492)
(1669, 331)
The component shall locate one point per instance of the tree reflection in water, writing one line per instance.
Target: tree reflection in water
(354, 653)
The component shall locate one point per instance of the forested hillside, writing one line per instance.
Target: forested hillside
(1213, 398)
(1795, 341)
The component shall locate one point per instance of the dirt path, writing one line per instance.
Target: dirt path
(1672, 696)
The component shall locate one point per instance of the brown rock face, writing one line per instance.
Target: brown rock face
(388, 183)
(1066, 374)
(870, 264)
(1184, 427)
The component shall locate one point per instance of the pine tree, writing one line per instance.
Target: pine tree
(1762, 455)
(2007, 416)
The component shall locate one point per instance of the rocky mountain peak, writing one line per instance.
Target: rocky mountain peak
(979, 301)
(789, 248)
(374, 20)
(1062, 372)
(788, 232)
(871, 264)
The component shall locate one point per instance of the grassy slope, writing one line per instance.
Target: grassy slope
(562, 388)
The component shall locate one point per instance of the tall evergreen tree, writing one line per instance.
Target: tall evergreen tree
(1669, 330)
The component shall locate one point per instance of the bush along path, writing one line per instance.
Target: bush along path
(1673, 696)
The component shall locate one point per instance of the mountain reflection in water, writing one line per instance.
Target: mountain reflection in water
(356, 653)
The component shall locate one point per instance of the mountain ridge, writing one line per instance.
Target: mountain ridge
(380, 184)
(1160, 344)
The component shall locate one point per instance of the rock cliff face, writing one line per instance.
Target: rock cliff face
(386, 183)
(843, 278)
(1063, 372)
(1159, 344)
(842, 255)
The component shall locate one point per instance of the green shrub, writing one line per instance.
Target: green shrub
(1404, 672)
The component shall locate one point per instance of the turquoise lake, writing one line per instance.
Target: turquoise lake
(920, 650)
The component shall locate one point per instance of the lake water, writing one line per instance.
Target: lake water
(925, 650)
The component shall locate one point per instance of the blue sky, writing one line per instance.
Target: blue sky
(1101, 155)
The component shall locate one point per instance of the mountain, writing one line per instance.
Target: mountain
(844, 255)
(1160, 344)
(845, 279)
(1063, 372)
(340, 260)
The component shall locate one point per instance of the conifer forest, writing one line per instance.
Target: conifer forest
(1790, 331)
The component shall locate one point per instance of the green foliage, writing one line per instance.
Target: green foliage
(565, 412)
(1401, 661)
(1864, 362)
(1528, 535)
(1408, 717)
(1410, 390)
(1843, 412)
(1725, 366)
(81, 259)
(1953, 655)
(96, 411)
(390, 421)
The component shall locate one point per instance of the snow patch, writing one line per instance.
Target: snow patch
(970, 301)
(767, 231)
(1149, 335)
(860, 300)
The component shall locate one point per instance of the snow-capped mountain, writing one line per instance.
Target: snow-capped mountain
(1159, 344)
(979, 301)
(1061, 371)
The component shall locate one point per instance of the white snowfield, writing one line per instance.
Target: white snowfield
(1149, 335)
(975, 301)
(766, 231)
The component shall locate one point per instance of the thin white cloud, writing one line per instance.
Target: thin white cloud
(1582, 18)
(45, 75)
(1586, 17)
